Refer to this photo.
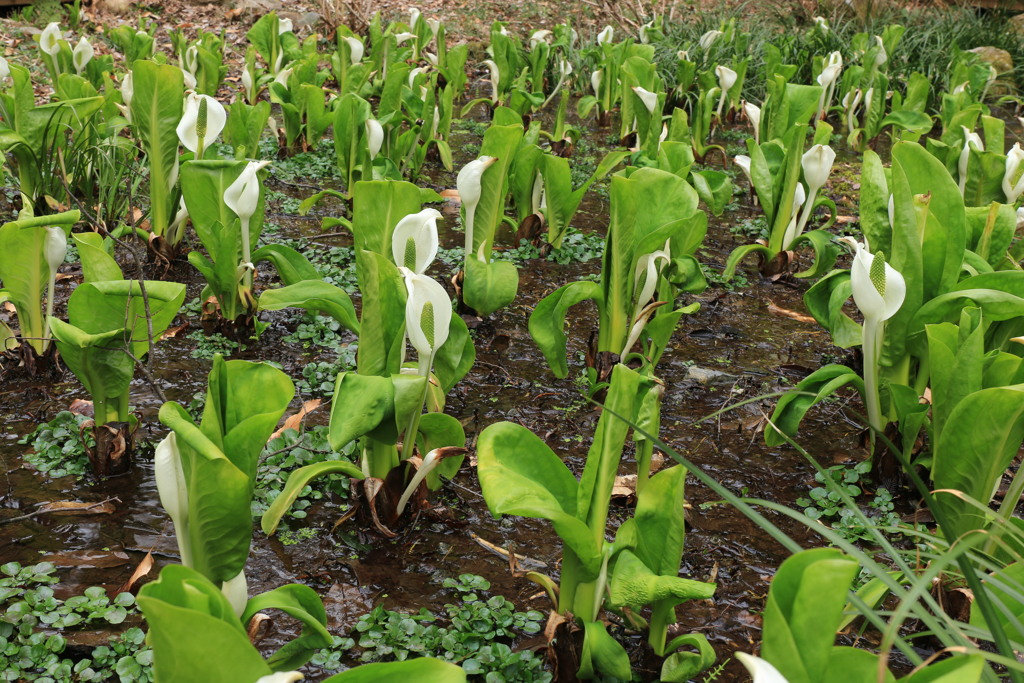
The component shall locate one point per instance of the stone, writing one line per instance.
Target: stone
(1017, 24)
(709, 377)
(999, 59)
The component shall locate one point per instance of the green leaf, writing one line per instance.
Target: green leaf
(547, 322)
(361, 403)
(292, 266)
(297, 481)
(456, 356)
(962, 669)
(313, 296)
(982, 436)
(851, 664)
(811, 390)
(680, 667)
(602, 654)
(520, 475)
(714, 188)
(97, 307)
(303, 604)
(97, 262)
(489, 286)
(25, 272)
(805, 603)
(425, 669)
(194, 632)
(157, 105)
(99, 361)
(634, 585)
(825, 252)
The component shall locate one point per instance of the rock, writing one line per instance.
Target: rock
(1017, 24)
(999, 59)
(709, 377)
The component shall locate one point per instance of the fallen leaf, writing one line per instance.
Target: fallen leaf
(98, 559)
(786, 313)
(842, 220)
(78, 507)
(259, 627)
(625, 486)
(294, 421)
(452, 195)
(173, 332)
(82, 407)
(60, 277)
(140, 571)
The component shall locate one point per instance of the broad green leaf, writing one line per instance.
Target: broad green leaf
(297, 481)
(489, 286)
(634, 585)
(219, 526)
(300, 603)
(851, 664)
(602, 654)
(520, 475)
(421, 669)
(360, 404)
(25, 273)
(100, 362)
(456, 356)
(811, 390)
(715, 188)
(680, 667)
(157, 105)
(97, 307)
(194, 633)
(982, 436)
(957, 669)
(291, 266)
(313, 296)
(547, 322)
(97, 262)
(805, 603)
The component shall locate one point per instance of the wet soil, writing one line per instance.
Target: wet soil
(733, 349)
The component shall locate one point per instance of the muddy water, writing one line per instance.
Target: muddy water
(731, 350)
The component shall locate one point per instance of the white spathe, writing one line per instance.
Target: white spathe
(55, 248)
(188, 127)
(971, 139)
(753, 113)
(356, 49)
(374, 136)
(49, 39)
(420, 231)
(242, 197)
(878, 300)
(82, 55)
(606, 35)
(173, 491)
(468, 183)
(708, 39)
(760, 669)
(428, 313)
(650, 99)
(1013, 178)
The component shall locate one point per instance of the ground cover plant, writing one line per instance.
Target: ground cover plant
(459, 289)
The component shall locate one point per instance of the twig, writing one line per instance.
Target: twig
(43, 511)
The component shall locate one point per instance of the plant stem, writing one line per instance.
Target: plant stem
(871, 345)
(409, 438)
